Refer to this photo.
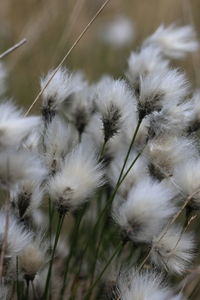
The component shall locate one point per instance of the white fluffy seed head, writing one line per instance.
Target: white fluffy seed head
(173, 250)
(115, 102)
(60, 138)
(162, 88)
(26, 197)
(178, 297)
(119, 32)
(81, 108)
(80, 176)
(33, 257)
(60, 88)
(146, 210)
(174, 42)
(187, 176)
(165, 153)
(143, 286)
(17, 166)
(147, 60)
(17, 236)
(172, 120)
(14, 127)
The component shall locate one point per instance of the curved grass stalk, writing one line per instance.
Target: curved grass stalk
(58, 230)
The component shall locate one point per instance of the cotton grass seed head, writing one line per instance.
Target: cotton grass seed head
(16, 166)
(143, 286)
(59, 139)
(146, 210)
(166, 152)
(174, 42)
(187, 176)
(78, 179)
(143, 62)
(173, 250)
(58, 91)
(14, 127)
(115, 102)
(17, 236)
(33, 257)
(157, 89)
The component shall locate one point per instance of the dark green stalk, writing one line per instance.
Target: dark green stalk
(109, 202)
(27, 289)
(102, 149)
(17, 278)
(96, 257)
(58, 230)
(129, 150)
(117, 250)
(73, 246)
(194, 292)
(51, 214)
(13, 291)
(33, 289)
(131, 165)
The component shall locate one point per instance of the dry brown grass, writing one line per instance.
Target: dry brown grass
(51, 27)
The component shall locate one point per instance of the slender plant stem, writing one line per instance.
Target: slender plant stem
(51, 214)
(68, 53)
(131, 165)
(129, 150)
(4, 243)
(34, 291)
(96, 257)
(17, 278)
(27, 289)
(58, 230)
(102, 150)
(73, 246)
(13, 291)
(88, 240)
(166, 228)
(119, 182)
(13, 48)
(117, 250)
(194, 292)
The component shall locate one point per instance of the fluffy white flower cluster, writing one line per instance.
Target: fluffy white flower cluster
(136, 137)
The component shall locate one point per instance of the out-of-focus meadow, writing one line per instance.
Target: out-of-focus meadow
(52, 26)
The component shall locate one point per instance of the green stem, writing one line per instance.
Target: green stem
(194, 292)
(117, 250)
(34, 291)
(96, 257)
(13, 291)
(51, 214)
(27, 289)
(73, 246)
(58, 230)
(17, 278)
(131, 165)
(119, 182)
(129, 150)
(109, 202)
(102, 150)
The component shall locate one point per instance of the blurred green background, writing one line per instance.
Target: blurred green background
(51, 26)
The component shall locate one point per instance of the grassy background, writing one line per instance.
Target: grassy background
(51, 27)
